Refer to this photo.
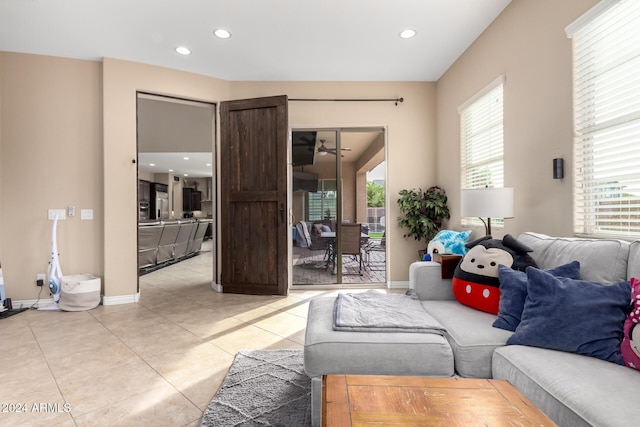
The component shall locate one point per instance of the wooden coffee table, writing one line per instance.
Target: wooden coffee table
(358, 400)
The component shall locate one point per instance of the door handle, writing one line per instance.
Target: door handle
(282, 212)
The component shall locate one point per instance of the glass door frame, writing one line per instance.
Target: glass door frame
(339, 204)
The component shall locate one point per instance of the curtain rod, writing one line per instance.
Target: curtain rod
(396, 100)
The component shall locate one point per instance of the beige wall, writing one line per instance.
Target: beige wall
(146, 176)
(1, 174)
(67, 134)
(51, 157)
(79, 117)
(121, 80)
(84, 116)
(411, 136)
(411, 132)
(527, 44)
(349, 192)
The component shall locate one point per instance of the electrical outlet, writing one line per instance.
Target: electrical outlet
(86, 214)
(72, 211)
(60, 213)
(40, 278)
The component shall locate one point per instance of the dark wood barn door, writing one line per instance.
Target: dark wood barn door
(253, 144)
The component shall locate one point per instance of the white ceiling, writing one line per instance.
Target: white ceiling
(356, 143)
(275, 40)
(192, 165)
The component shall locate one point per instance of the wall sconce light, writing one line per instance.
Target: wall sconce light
(558, 168)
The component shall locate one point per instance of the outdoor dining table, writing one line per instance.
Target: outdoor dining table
(330, 236)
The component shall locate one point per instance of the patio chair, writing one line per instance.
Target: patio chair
(307, 236)
(374, 246)
(351, 243)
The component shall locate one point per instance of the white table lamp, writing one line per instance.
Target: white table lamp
(487, 202)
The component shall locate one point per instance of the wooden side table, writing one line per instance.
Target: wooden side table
(449, 263)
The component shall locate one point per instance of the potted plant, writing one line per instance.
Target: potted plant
(423, 212)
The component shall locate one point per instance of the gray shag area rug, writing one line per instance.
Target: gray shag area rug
(262, 388)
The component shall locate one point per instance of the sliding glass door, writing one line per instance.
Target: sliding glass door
(337, 199)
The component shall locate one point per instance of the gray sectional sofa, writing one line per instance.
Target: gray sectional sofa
(572, 389)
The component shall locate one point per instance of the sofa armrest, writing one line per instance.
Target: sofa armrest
(425, 277)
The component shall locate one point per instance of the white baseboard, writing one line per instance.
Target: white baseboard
(115, 300)
(216, 287)
(24, 303)
(399, 284)
(121, 299)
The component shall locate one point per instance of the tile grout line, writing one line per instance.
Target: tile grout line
(166, 380)
(53, 376)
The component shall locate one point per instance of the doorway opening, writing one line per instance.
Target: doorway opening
(176, 186)
(338, 207)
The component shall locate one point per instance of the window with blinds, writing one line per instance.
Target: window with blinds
(323, 203)
(481, 135)
(606, 76)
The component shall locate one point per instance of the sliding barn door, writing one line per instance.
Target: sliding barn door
(253, 144)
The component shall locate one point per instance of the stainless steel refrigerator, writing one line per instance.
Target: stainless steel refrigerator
(162, 205)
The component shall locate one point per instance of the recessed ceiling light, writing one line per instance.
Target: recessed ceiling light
(185, 158)
(183, 50)
(186, 174)
(222, 34)
(208, 164)
(152, 164)
(407, 34)
(170, 170)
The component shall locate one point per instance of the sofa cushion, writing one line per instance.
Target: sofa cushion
(601, 260)
(470, 335)
(633, 269)
(370, 353)
(513, 292)
(572, 390)
(573, 315)
(425, 277)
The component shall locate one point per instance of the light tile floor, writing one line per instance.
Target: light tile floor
(155, 363)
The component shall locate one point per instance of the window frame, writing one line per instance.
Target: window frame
(480, 102)
(606, 195)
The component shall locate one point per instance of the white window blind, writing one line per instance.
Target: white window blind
(606, 75)
(322, 203)
(482, 140)
(481, 131)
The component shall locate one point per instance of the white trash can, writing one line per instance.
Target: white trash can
(79, 292)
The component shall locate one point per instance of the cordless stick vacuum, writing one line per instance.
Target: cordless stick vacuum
(55, 272)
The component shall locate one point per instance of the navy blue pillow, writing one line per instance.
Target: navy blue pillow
(513, 292)
(573, 315)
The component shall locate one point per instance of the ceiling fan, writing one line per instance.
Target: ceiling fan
(323, 150)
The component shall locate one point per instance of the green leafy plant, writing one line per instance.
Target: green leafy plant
(375, 195)
(423, 212)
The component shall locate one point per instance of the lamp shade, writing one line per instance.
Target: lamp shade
(487, 202)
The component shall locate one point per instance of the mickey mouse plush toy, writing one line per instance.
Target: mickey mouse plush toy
(475, 280)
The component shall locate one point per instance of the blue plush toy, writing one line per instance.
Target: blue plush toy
(449, 242)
